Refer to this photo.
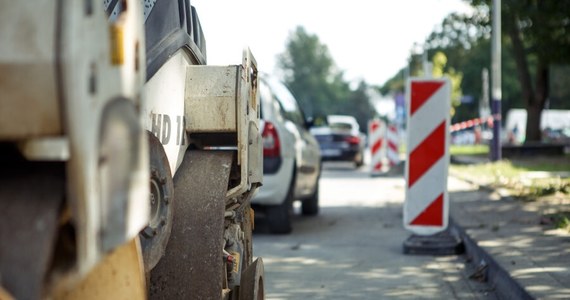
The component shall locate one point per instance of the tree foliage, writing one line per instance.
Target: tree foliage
(309, 72)
(358, 105)
(439, 62)
(539, 36)
(395, 84)
(466, 43)
(535, 42)
(312, 76)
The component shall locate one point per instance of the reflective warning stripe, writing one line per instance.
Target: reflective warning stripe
(392, 138)
(426, 206)
(426, 154)
(377, 148)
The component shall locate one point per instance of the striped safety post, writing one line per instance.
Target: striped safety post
(376, 130)
(426, 207)
(393, 144)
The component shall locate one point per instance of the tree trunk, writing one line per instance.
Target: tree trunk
(534, 109)
(531, 104)
(533, 114)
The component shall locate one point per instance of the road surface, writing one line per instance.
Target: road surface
(353, 248)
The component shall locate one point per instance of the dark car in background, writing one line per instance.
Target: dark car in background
(341, 140)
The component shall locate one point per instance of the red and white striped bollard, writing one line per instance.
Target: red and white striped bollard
(426, 207)
(393, 144)
(376, 129)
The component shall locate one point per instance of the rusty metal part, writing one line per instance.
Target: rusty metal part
(252, 283)
(120, 275)
(233, 237)
(222, 109)
(247, 225)
(193, 266)
(238, 238)
(31, 196)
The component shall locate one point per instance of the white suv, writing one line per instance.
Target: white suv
(291, 158)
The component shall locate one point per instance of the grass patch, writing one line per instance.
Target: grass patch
(519, 166)
(560, 220)
(503, 168)
(529, 179)
(469, 149)
(544, 164)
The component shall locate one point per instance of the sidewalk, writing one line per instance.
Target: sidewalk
(518, 254)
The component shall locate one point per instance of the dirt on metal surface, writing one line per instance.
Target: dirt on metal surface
(192, 267)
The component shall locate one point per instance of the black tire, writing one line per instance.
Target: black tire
(154, 237)
(310, 206)
(279, 216)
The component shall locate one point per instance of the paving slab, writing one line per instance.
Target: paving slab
(531, 259)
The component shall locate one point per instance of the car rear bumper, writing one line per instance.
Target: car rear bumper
(271, 165)
(276, 185)
(340, 154)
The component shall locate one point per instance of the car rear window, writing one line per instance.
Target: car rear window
(342, 126)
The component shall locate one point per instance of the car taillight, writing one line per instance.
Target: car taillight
(354, 140)
(271, 144)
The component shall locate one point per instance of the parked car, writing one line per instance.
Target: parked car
(341, 140)
(291, 158)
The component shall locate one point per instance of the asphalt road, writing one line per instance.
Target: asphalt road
(353, 248)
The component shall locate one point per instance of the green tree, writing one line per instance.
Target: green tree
(465, 40)
(309, 72)
(560, 87)
(358, 105)
(539, 32)
(312, 76)
(394, 84)
(533, 31)
(458, 38)
(439, 62)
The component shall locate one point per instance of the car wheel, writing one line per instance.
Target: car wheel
(279, 216)
(310, 206)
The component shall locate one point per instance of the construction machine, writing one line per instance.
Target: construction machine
(206, 161)
(127, 163)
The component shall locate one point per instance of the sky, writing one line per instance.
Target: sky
(369, 40)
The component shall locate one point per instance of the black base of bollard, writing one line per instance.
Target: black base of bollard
(442, 243)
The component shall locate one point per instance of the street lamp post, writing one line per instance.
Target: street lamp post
(496, 93)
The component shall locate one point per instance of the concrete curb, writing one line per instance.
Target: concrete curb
(505, 286)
